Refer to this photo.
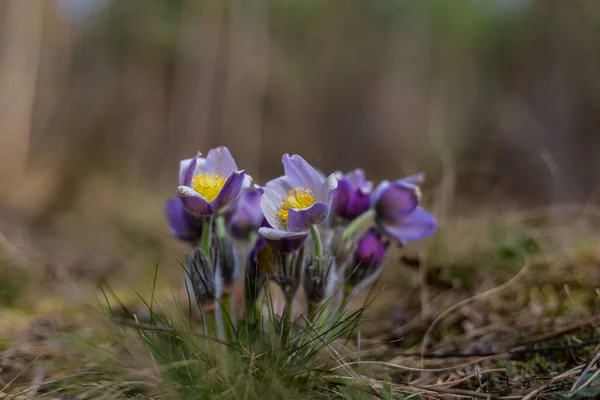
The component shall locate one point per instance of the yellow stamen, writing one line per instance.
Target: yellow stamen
(208, 185)
(297, 198)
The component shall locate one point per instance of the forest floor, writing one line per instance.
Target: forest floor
(504, 306)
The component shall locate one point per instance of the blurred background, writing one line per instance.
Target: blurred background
(498, 101)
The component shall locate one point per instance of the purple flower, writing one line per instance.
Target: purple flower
(296, 201)
(211, 185)
(367, 260)
(352, 196)
(397, 210)
(184, 225)
(246, 216)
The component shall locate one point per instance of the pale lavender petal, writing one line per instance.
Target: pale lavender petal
(274, 192)
(183, 167)
(415, 179)
(194, 203)
(331, 184)
(418, 225)
(230, 192)
(301, 173)
(220, 162)
(283, 240)
(301, 220)
(247, 182)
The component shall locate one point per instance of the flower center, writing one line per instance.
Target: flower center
(297, 198)
(208, 185)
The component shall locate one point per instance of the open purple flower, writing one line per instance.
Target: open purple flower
(397, 210)
(211, 185)
(352, 196)
(246, 216)
(184, 225)
(296, 201)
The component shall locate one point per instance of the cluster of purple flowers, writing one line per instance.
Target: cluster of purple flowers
(305, 229)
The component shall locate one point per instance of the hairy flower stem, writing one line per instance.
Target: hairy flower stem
(316, 237)
(225, 328)
(206, 235)
(343, 309)
(224, 304)
(220, 225)
(358, 223)
(286, 320)
(210, 322)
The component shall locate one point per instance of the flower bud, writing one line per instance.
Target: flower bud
(367, 261)
(200, 279)
(319, 279)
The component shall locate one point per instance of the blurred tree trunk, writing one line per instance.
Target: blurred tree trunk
(20, 41)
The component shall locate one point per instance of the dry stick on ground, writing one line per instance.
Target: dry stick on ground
(50, 382)
(564, 330)
(585, 371)
(479, 296)
(515, 350)
(558, 378)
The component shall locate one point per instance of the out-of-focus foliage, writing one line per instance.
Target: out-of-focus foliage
(499, 97)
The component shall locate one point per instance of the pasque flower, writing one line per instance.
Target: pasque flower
(352, 196)
(397, 210)
(211, 185)
(296, 201)
(184, 225)
(367, 261)
(246, 216)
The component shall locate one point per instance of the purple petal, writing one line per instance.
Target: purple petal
(395, 200)
(418, 225)
(183, 225)
(301, 220)
(189, 171)
(230, 191)
(341, 196)
(274, 192)
(301, 173)
(246, 216)
(357, 204)
(371, 248)
(175, 214)
(194, 203)
(283, 240)
(349, 201)
(356, 178)
(220, 162)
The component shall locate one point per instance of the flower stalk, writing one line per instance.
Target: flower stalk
(358, 223)
(316, 237)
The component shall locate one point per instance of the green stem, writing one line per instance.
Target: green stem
(206, 236)
(252, 237)
(316, 237)
(357, 223)
(220, 225)
(286, 319)
(210, 322)
(225, 326)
